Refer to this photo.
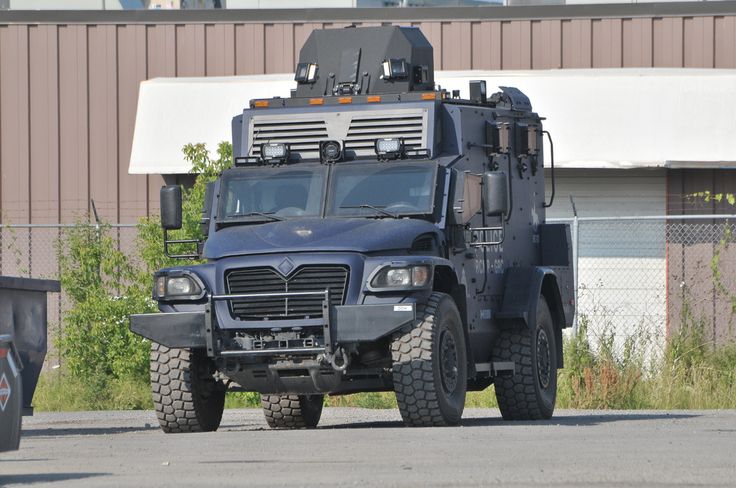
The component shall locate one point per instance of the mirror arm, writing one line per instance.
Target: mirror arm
(168, 242)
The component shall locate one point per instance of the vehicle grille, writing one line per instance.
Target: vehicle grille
(267, 280)
(357, 130)
(364, 131)
(302, 136)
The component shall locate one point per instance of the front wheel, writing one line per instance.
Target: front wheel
(430, 365)
(186, 396)
(529, 394)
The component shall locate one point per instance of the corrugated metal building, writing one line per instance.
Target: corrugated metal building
(69, 80)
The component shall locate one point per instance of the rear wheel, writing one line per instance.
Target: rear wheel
(529, 394)
(430, 365)
(292, 411)
(186, 396)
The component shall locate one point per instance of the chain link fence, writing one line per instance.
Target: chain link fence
(31, 251)
(639, 278)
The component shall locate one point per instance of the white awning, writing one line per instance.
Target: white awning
(599, 118)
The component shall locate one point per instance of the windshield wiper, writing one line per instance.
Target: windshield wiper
(373, 207)
(268, 215)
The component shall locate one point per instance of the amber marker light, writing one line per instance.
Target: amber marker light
(373, 99)
(316, 101)
(260, 103)
(344, 100)
(429, 96)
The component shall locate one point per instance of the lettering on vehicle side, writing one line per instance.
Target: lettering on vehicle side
(402, 308)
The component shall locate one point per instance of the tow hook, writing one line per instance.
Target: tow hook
(339, 361)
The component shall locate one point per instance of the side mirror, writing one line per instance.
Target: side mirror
(496, 193)
(170, 207)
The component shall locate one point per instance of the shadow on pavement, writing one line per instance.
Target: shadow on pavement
(26, 479)
(55, 432)
(581, 420)
(563, 420)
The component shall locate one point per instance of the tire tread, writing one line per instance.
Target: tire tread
(412, 356)
(177, 392)
(289, 411)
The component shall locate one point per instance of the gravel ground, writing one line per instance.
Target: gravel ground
(372, 448)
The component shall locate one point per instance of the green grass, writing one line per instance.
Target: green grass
(60, 392)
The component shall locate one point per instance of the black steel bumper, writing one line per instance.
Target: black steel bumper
(345, 324)
(179, 329)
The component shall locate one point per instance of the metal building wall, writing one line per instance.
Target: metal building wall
(69, 80)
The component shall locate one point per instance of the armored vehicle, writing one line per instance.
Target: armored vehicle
(375, 233)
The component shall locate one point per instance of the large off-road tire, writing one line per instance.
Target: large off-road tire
(430, 365)
(186, 396)
(292, 411)
(531, 392)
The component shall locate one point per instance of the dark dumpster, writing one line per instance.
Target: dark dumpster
(11, 395)
(23, 316)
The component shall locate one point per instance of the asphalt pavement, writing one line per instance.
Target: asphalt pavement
(356, 447)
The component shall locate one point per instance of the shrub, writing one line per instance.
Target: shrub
(104, 365)
(103, 288)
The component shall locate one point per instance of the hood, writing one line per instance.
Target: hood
(295, 235)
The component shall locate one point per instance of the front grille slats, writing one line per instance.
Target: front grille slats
(363, 132)
(267, 280)
(302, 136)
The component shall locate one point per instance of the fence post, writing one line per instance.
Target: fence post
(575, 247)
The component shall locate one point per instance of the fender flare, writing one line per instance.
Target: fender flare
(523, 287)
(459, 294)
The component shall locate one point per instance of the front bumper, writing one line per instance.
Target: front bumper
(341, 325)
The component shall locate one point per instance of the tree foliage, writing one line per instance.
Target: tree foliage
(150, 236)
(104, 286)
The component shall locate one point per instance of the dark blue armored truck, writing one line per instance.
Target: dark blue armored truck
(375, 233)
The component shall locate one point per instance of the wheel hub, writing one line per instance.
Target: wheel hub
(448, 362)
(544, 367)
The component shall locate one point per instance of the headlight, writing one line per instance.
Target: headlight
(417, 276)
(177, 287)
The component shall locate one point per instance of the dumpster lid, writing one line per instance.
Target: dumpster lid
(30, 284)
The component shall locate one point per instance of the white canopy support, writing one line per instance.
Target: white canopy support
(599, 118)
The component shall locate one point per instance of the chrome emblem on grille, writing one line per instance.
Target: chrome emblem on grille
(286, 266)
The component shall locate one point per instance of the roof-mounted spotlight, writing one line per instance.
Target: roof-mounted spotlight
(394, 69)
(274, 152)
(389, 149)
(305, 73)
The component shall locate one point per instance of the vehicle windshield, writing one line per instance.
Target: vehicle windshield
(272, 194)
(355, 190)
(381, 189)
